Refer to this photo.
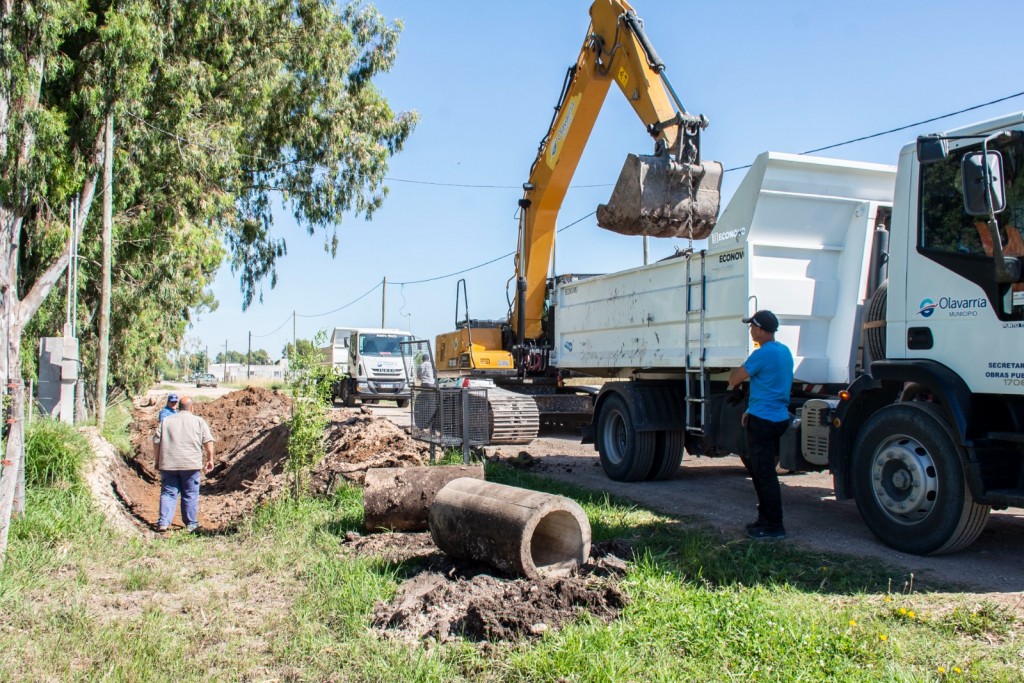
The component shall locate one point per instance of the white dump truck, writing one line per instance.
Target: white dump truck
(900, 294)
(376, 370)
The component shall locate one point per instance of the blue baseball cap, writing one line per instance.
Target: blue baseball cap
(172, 398)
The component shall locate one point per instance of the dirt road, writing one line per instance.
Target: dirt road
(718, 492)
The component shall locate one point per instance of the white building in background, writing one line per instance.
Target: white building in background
(236, 372)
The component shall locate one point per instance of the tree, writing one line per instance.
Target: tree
(223, 110)
(305, 348)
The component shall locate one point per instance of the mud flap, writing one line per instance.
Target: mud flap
(652, 197)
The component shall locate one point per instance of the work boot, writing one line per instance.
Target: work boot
(767, 533)
(756, 524)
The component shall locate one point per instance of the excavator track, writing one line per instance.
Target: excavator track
(513, 418)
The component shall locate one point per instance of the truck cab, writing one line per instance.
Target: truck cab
(377, 370)
(931, 437)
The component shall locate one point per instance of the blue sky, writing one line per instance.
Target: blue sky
(484, 77)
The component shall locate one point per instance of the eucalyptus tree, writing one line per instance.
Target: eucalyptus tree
(224, 111)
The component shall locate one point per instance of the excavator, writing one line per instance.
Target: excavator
(670, 193)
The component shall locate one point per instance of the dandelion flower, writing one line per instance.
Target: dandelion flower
(957, 670)
(903, 610)
(882, 637)
(853, 622)
(941, 669)
(910, 614)
(888, 598)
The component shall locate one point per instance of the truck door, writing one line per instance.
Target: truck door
(956, 312)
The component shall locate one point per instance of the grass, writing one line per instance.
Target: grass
(277, 600)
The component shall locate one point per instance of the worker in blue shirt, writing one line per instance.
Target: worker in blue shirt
(770, 371)
(170, 408)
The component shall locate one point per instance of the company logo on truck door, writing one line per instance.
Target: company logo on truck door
(555, 147)
(736, 234)
(954, 308)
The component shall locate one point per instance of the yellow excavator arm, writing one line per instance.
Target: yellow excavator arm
(616, 49)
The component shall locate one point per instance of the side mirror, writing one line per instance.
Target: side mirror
(931, 148)
(983, 188)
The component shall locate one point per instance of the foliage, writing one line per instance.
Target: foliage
(54, 453)
(305, 347)
(258, 357)
(223, 112)
(58, 505)
(310, 386)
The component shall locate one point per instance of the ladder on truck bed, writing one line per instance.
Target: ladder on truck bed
(695, 349)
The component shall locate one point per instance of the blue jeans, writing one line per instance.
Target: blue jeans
(173, 483)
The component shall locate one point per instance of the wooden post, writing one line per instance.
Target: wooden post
(104, 331)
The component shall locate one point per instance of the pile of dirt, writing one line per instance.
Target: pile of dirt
(450, 599)
(250, 452)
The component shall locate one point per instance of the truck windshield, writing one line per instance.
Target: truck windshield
(381, 344)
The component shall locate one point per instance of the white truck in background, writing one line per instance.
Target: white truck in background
(373, 369)
(900, 294)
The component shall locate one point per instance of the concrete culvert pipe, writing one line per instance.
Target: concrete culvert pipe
(399, 498)
(516, 530)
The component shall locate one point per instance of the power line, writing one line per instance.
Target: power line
(278, 329)
(899, 128)
(359, 298)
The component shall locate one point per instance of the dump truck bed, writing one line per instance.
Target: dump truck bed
(796, 238)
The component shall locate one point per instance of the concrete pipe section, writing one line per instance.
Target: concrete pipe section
(399, 498)
(532, 534)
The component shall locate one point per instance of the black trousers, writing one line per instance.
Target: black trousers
(762, 453)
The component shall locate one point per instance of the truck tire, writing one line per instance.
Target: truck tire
(402, 402)
(668, 454)
(347, 398)
(908, 481)
(626, 454)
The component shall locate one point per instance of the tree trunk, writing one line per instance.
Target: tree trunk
(15, 445)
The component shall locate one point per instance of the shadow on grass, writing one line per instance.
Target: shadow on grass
(698, 554)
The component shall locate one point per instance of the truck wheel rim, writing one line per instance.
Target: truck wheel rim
(615, 438)
(904, 479)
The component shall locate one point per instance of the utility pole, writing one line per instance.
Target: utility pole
(108, 219)
(225, 379)
(206, 359)
(248, 360)
(383, 300)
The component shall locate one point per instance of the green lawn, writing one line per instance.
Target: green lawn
(278, 601)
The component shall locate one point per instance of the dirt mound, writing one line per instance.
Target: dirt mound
(250, 452)
(451, 599)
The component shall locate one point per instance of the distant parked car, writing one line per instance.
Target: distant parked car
(206, 380)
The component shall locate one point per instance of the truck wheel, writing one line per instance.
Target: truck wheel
(347, 399)
(402, 402)
(626, 454)
(909, 483)
(668, 454)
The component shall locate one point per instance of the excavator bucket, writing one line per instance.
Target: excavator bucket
(656, 196)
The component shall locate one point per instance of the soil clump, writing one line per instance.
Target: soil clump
(448, 599)
(251, 435)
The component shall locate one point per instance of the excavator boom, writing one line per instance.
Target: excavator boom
(669, 194)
